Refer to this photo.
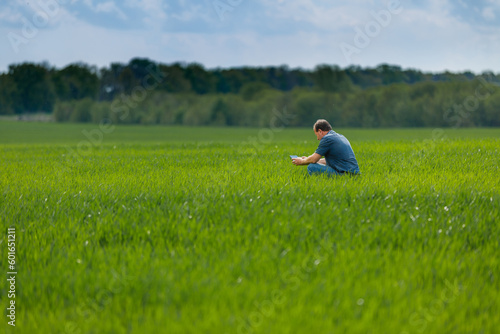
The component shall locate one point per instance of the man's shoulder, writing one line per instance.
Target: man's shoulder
(331, 136)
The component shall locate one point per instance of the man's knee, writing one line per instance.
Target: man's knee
(313, 168)
(309, 169)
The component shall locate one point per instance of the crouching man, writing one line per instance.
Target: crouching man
(338, 155)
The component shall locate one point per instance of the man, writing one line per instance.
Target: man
(339, 156)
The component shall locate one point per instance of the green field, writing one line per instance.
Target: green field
(213, 230)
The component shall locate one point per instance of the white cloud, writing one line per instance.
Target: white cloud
(9, 15)
(321, 15)
(76, 40)
(249, 48)
(153, 8)
(190, 13)
(303, 33)
(494, 2)
(488, 13)
(106, 7)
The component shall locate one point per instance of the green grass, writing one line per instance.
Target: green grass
(70, 133)
(197, 230)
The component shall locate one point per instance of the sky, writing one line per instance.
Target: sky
(428, 35)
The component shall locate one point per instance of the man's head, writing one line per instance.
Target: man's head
(321, 128)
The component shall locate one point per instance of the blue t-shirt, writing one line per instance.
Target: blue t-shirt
(338, 153)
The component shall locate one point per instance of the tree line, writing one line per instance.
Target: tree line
(146, 92)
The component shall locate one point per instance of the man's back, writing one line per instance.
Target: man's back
(338, 153)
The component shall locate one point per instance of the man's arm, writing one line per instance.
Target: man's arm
(312, 159)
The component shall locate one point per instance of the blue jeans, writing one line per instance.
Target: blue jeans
(322, 169)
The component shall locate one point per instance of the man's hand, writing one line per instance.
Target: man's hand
(307, 160)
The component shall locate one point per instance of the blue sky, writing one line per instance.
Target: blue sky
(428, 35)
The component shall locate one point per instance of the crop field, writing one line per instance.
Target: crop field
(214, 230)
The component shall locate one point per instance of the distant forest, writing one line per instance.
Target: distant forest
(146, 92)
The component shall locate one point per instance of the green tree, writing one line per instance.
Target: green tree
(33, 89)
(202, 81)
(331, 79)
(110, 86)
(391, 74)
(175, 81)
(75, 82)
(82, 111)
(127, 81)
(6, 92)
(252, 90)
(220, 114)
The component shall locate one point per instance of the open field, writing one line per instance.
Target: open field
(213, 230)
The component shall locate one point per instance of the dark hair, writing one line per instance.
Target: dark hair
(322, 124)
